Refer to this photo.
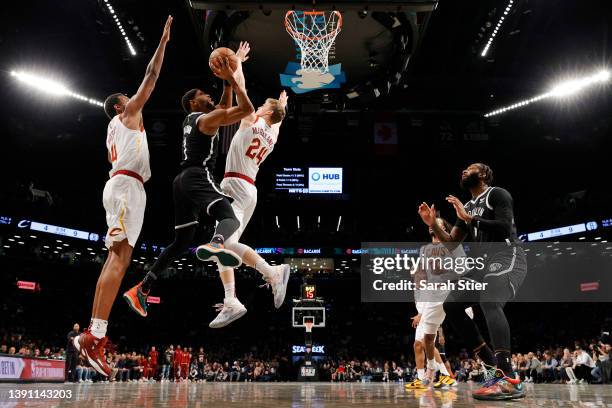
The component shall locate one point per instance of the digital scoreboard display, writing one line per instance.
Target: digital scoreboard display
(309, 292)
(309, 180)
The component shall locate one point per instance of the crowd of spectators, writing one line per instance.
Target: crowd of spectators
(591, 364)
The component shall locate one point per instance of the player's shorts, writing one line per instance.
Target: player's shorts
(504, 273)
(245, 201)
(432, 317)
(124, 200)
(194, 191)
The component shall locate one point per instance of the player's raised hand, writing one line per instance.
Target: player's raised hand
(283, 98)
(166, 34)
(459, 208)
(243, 51)
(221, 68)
(428, 214)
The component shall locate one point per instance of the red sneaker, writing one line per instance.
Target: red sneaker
(93, 349)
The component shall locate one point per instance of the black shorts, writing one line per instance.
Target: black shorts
(194, 191)
(503, 273)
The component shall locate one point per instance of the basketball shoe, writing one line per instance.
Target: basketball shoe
(499, 387)
(445, 381)
(418, 384)
(278, 280)
(93, 349)
(216, 251)
(137, 300)
(230, 310)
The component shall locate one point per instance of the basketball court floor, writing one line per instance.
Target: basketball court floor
(307, 395)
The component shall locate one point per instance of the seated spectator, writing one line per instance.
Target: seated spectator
(583, 364)
(549, 367)
(533, 368)
(235, 372)
(565, 366)
(599, 356)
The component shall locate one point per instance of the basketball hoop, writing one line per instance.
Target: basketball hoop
(308, 325)
(314, 32)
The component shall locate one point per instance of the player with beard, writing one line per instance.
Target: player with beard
(487, 218)
(195, 190)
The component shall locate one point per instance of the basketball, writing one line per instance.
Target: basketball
(223, 52)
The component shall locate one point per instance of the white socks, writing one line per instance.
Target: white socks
(230, 290)
(421, 373)
(263, 267)
(432, 365)
(98, 327)
(443, 369)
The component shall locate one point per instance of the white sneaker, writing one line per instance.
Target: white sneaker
(571, 382)
(229, 310)
(581, 381)
(278, 282)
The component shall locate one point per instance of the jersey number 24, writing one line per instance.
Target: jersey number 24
(255, 151)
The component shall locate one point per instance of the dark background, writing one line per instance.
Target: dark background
(553, 156)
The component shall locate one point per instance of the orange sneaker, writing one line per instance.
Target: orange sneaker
(500, 387)
(93, 349)
(137, 300)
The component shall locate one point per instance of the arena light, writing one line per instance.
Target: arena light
(120, 27)
(496, 29)
(560, 90)
(50, 86)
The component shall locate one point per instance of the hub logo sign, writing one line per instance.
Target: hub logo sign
(325, 180)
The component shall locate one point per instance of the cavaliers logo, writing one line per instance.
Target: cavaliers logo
(495, 266)
(114, 232)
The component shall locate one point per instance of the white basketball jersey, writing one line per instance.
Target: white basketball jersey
(128, 149)
(434, 256)
(250, 147)
(435, 271)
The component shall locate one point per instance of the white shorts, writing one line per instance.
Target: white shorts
(245, 201)
(124, 200)
(432, 317)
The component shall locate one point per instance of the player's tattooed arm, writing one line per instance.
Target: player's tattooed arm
(222, 117)
(136, 103)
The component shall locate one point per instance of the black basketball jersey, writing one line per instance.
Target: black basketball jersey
(493, 217)
(199, 149)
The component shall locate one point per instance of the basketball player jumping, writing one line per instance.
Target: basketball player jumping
(124, 200)
(431, 313)
(487, 218)
(251, 145)
(194, 189)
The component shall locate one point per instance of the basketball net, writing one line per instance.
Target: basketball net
(314, 32)
(308, 326)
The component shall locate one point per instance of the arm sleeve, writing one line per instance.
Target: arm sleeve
(501, 201)
(461, 225)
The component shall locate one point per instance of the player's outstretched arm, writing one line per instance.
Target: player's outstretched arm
(136, 103)
(222, 117)
(283, 99)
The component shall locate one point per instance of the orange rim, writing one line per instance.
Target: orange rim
(302, 37)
